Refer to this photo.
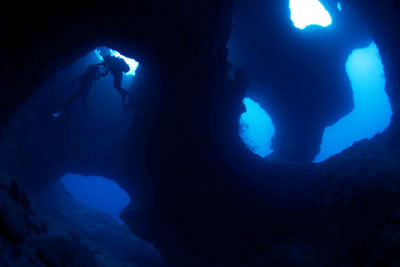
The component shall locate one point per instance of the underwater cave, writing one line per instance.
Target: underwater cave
(371, 113)
(77, 139)
(252, 133)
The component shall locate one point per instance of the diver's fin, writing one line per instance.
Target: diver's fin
(58, 114)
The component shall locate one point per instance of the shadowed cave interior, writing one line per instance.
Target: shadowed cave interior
(251, 133)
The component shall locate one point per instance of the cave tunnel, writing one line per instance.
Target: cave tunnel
(87, 130)
(81, 139)
(212, 160)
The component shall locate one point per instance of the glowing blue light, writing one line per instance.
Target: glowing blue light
(98, 54)
(309, 12)
(256, 128)
(97, 193)
(339, 6)
(133, 64)
(372, 110)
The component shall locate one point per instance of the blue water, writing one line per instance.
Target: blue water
(371, 115)
(304, 13)
(372, 110)
(104, 100)
(97, 193)
(256, 128)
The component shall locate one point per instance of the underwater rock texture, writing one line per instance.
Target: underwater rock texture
(360, 197)
(112, 242)
(198, 194)
(24, 237)
(299, 77)
(62, 232)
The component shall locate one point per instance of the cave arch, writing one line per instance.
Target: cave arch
(97, 193)
(299, 137)
(43, 147)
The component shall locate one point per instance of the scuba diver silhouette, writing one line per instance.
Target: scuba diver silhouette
(117, 67)
(84, 82)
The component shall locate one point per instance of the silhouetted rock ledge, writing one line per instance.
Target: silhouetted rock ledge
(62, 232)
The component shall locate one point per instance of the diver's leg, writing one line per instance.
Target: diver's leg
(85, 97)
(125, 92)
(118, 85)
(121, 91)
(118, 81)
(123, 103)
(72, 100)
(69, 103)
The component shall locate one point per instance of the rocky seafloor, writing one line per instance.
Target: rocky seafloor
(53, 229)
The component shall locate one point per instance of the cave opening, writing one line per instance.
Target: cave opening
(309, 12)
(316, 110)
(86, 210)
(79, 211)
(89, 129)
(96, 84)
(97, 193)
(82, 135)
(191, 196)
(256, 128)
(372, 110)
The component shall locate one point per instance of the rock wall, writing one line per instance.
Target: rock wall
(298, 76)
(25, 239)
(111, 241)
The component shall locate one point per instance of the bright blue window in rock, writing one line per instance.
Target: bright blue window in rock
(309, 12)
(97, 193)
(372, 110)
(133, 64)
(256, 128)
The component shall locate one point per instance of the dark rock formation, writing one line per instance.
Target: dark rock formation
(57, 231)
(299, 77)
(112, 242)
(25, 240)
(360, 197)
(199, 195)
